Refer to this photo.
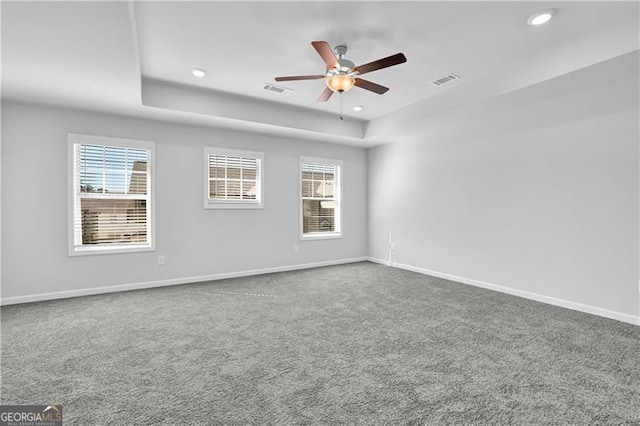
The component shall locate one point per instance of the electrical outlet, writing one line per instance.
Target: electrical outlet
(161, 259)
(296, 248)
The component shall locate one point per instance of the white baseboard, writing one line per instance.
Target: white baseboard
(173, 281)
(520, 293)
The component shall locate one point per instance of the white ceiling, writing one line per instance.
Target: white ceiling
(136, 57)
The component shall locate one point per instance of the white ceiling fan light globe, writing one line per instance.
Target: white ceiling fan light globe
(340, 82)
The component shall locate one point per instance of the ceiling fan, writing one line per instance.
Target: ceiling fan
(342, 74)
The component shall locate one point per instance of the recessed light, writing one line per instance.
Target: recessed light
(358, 108)
(541, 18)
(198, 72)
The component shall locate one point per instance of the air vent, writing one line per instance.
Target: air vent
(446, 79)
(277, 89)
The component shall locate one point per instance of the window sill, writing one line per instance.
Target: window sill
(90, 251)
(232, 205)
(321, 236)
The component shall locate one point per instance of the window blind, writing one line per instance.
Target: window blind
(320, 198)
(233, 178)
(112, 196)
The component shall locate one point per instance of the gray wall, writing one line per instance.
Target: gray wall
(535, 191)
(196, 241)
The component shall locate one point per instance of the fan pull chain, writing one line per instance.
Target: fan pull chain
(341, 118)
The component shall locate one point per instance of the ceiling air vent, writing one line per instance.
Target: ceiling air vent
(446, 79)
(277, 89)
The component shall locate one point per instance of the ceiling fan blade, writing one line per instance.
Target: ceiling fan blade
(389, 61)
(324, 97)
(323, 48)
(368, 85)
(300, 77)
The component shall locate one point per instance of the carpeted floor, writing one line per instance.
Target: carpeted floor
(352, 344)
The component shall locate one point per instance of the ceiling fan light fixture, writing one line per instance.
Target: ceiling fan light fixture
(340, 82)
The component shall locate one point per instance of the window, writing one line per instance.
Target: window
(320, 198)
(233, 178)
(111, 204)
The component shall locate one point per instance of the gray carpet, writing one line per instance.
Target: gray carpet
(351, 344)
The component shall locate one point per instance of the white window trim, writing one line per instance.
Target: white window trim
(78, 139)
(337, 197)
(258, 203)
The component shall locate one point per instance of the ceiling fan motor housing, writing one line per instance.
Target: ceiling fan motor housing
(345, 66)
